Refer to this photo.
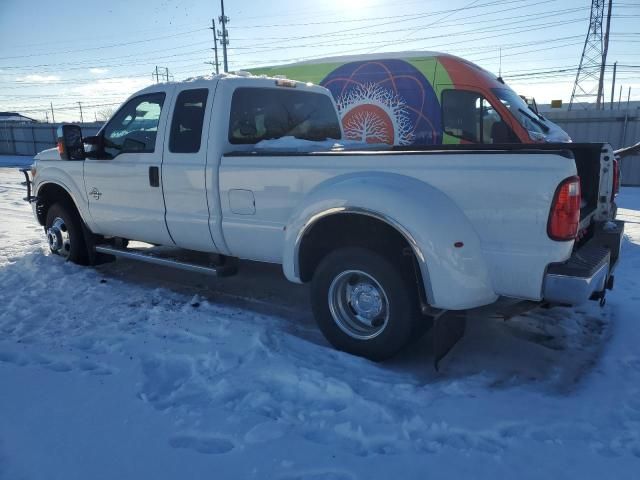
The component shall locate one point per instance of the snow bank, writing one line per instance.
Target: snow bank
(129, 371)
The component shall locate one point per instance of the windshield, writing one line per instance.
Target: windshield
(520, 110)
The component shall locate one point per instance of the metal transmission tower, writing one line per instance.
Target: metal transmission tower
(590, 77)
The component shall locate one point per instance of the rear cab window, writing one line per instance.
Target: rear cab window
(186, 124)
(267, 113)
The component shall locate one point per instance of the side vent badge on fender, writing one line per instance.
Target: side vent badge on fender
(95, 193)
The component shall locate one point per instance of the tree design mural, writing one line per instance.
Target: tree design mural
(371, 113)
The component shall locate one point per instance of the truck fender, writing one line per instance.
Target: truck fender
(443, 240)
(56, 176)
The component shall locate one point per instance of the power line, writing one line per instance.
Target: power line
(100, 47)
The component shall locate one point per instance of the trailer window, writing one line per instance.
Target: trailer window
(266, 113)
(470, 117)
(186, 125)
(135, 126)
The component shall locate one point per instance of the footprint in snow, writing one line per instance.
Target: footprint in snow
(58, 366)
(94, 368)
(14, 358)
(202, 444)
(319, 475)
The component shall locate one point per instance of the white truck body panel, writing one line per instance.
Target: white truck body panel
(434, 195)
(126, 203)
(185, 189)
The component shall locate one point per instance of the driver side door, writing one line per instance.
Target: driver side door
(123, 186)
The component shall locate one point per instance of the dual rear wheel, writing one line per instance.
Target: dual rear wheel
(365, 304)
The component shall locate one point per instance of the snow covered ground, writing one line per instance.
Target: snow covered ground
(127, 371)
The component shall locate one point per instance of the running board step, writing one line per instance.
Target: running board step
(215, 271)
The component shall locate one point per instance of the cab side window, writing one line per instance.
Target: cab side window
(469, 116)
(267, 113)
(135, 126)
(186, 125)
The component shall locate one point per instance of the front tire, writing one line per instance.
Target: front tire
(63, 228)
(363, 303)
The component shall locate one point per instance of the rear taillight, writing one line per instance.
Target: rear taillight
(564, 217)
(616, 179)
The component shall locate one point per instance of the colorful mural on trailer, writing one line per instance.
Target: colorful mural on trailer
(389, 100)
(397, 98)
(385, 101)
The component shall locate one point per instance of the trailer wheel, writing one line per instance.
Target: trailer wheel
(363, 303)
(64, 233)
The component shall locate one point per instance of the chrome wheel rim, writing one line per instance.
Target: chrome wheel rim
(358, 304)
(58, 238)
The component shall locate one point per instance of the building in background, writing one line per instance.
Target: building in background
(15, 117)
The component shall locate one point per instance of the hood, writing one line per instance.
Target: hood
(48, 154)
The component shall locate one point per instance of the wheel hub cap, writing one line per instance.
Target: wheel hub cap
(58, 237)
(366, 301)
(358, 304)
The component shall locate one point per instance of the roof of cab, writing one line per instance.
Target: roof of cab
(241, 77)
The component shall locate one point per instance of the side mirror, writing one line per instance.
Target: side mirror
(96, 147)
(70, 143)
(92, 140)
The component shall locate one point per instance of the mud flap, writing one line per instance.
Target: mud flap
(94, 257)
(448, 329)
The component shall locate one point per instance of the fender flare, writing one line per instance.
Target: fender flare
(455, 278)
(81, 207)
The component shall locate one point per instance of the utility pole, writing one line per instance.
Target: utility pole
(81, 117)
(158, 73)
(600, 101)
(215, 62)
(620, 97)
(53, 117)
(589, 76)
(223, 19)
(613, 84)
(46, 115)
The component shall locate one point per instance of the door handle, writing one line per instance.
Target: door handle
(154, 176)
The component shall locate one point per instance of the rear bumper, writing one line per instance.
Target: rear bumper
(586, 273)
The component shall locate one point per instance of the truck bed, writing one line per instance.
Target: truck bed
(586, 155)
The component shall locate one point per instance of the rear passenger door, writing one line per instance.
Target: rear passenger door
(184, 167)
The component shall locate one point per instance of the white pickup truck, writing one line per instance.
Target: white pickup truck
(387, 238)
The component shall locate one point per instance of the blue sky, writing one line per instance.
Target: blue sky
(98, 53)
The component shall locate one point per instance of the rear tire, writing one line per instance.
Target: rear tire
(363, 303)
(63, 228)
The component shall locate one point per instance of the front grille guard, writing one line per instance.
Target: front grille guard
(29, 198)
